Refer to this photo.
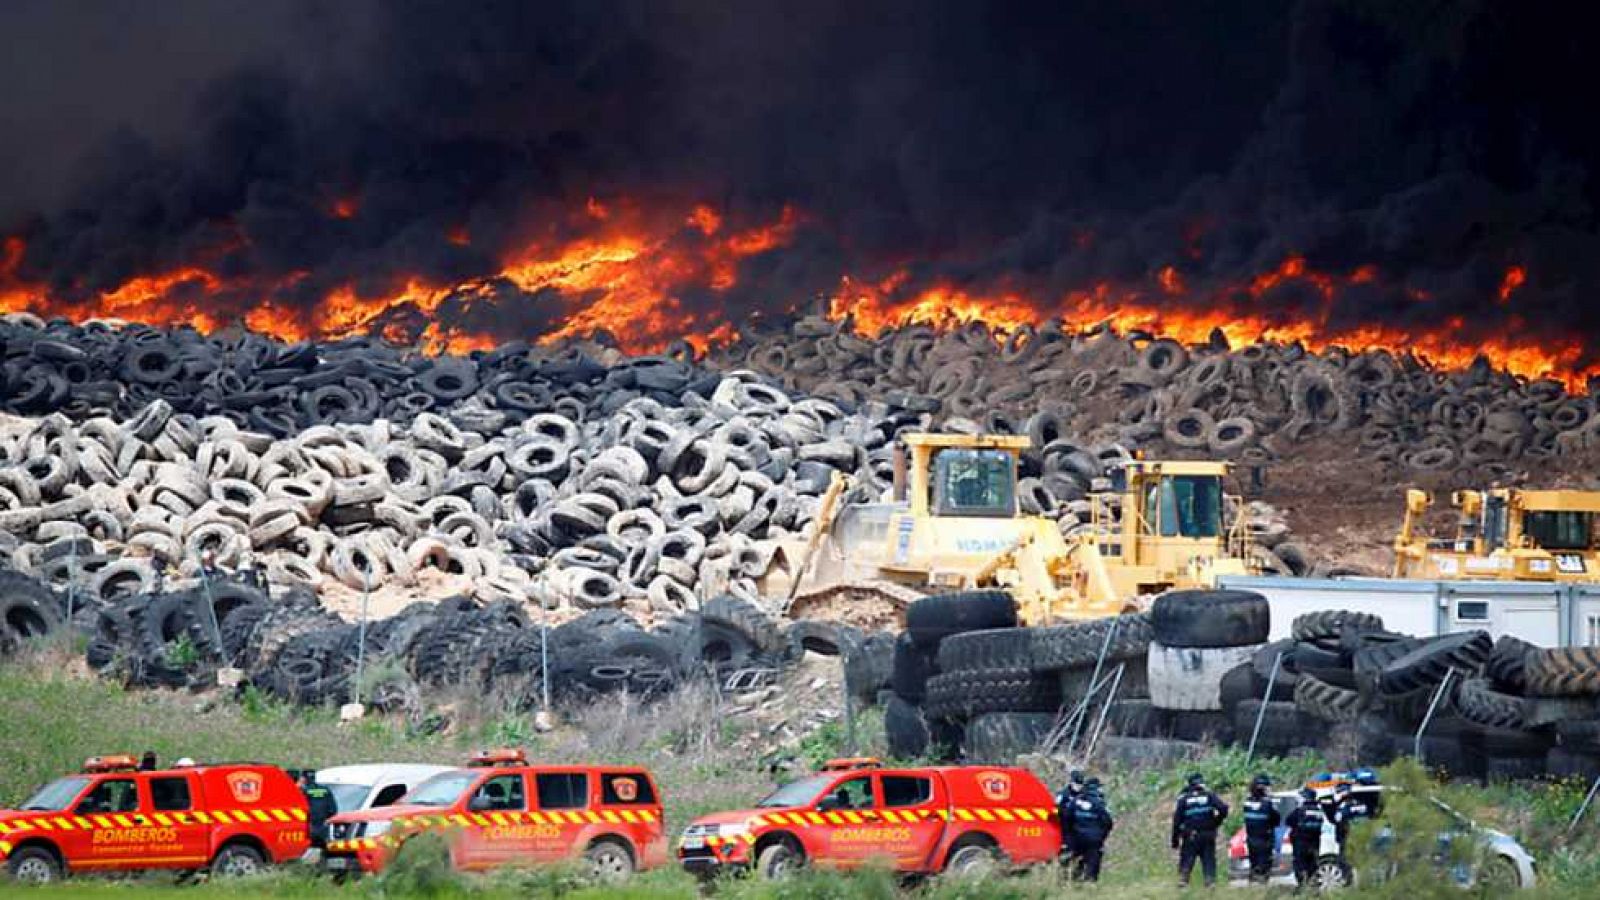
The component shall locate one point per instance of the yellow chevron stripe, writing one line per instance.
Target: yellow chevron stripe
(889, 816)
(612, 817)
(5, 848)
(631, 817)
(64, 823)
(853, 817)
(647, 815)
(299, 815)
(282, 815)
(260, 815)
(593, 817)
(538, 818)
(499, 818)
(45, 824)
(82, 822)
(161, 819)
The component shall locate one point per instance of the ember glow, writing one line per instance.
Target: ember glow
(645, 279)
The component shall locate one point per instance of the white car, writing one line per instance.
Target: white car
(374, 785)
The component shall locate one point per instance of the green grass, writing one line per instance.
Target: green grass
(53, 720)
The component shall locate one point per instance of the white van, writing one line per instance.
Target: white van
(374, 785)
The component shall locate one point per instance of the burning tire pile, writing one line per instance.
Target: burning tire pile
(1198, 669)
(1251, 403)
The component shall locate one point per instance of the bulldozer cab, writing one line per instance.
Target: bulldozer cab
(1505, 534)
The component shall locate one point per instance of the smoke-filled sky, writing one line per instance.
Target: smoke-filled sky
(1040, 146)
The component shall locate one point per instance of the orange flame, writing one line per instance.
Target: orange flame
(1513, 279)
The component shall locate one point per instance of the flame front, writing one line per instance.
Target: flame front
(648, 278)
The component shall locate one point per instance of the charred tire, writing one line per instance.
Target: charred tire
(1477, 701)
(904, 729)
(930, 620)
(1427, 664)
(913, 666)
(999, 738)
(1199, 618)
(965, 694)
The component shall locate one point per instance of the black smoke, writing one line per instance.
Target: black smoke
(1037, 146)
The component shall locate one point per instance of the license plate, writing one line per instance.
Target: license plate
(340, 862)
(694, 843)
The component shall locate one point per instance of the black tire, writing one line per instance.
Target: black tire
(34, 866)
(1283, 726)
(913, 666)
(932, 619)
(1507, 666)
(1562, 762)
(1315, 656)
(778, 861)
(1545, 711)
(966, 694)
(1287, 673)
(1200, 618)
(1508, 743)
(1238, 685)
(1332, 623)
(999, 738)
(1406, 711)
(28, 607)
(1564, 672)
(1579, 735)
(1203, 726)
(237, 860)
(904, 729)
(869, 667)
(993, 648)
(1328, 702)
(747, 619)
(1428, 664)
(1370, 661)
(814, 636)
(1138, 718)
(1477, 701)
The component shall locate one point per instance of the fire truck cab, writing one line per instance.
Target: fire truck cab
(233, 819)
(852, 812)
(500, 810)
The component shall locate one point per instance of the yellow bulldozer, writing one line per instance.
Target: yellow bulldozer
(1503, 534)
(951, 522)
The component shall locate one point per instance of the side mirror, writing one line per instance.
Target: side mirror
(829, 804)
(480, 804)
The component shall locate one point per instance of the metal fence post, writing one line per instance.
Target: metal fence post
(1584, 807)
(1438, 695)
(361, 637)
(72, 580)
(1105, 709)
(1094, 679)
(211, 608)
(1261, 714)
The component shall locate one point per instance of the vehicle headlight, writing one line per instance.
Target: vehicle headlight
(733, 829)
(377, 829)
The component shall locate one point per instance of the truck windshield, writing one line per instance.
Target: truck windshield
(1559, 530)
(1191, 506)
(974, 483)
(347, 797)
(797, 793)
(56, 795)
(442, 790)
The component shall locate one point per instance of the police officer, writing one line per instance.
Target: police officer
(1195, 821)
(1088, 826)
(1305, 834)
(1353, 806)
(1261, 829)
(321, 807)
(1065, 803)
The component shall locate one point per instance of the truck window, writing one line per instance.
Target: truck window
(562, 790)
(974, 483)
(1191, 506)
(626, 789)
(906, 790)
(114, 795)
(389, 796)
(853, 794)
(504, 792)
(169, 794)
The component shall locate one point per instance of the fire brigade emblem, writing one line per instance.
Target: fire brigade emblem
(627, 789)
(245, 786)
(995, 785)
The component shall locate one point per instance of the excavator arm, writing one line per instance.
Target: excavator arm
(821, 526)
(1405, 550)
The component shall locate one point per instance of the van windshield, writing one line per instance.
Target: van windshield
(347, 797)
(442, 790)
(56, 795)
(796, 793)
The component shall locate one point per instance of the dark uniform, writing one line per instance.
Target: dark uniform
(1065, 799)
(1261, 821)
(1195, 821)
(1351, 808)
(321, 808)
(1305, 834)
(1085, 830)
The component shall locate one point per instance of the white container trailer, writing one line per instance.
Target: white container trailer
(1550, 615)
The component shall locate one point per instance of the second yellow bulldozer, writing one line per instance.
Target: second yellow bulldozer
(1504, 534)
(951, 522)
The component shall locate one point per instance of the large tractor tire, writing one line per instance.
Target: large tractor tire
(904, 729)
(1332, 624)
(1564, 672)
(959, 695)
(1427, 665)
(869, 667)
(1199, 618)
(932, 619)
(1507, 666)
(999, 738)
(913, 666)
(1328, 702)
(1477, 701)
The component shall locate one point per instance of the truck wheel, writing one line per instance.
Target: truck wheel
(779, 861)
(609, 861)
(237, 861)
(972, 861)
(932, 619)
(1331, 874)
(34, 865)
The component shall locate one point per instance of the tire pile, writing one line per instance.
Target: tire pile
(1250, 403)
(293, 649)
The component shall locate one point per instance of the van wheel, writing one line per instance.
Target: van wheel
(973, 861)
(1331, 874)
(779, 861)
(34, 865)
(1498, 875)
(608, 861)
(237, 861)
